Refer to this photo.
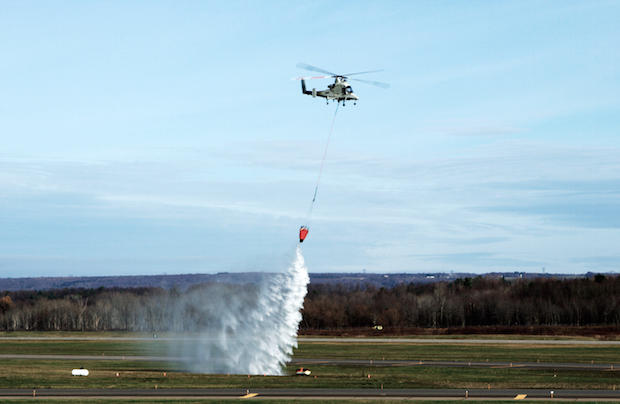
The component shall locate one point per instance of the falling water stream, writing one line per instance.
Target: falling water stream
(253, 332)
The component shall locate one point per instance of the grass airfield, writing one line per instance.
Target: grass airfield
(45, 373)
(34, 374)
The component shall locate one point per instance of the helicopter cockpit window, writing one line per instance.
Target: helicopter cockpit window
(349, 90)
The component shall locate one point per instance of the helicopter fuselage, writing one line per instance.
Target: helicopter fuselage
(339, 91)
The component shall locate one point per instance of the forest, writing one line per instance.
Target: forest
(468, 302)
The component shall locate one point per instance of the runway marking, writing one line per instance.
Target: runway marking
(249, 395)
(520, 396)
(406, 364)
(506, 367)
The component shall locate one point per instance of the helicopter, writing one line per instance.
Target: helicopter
(340, 90)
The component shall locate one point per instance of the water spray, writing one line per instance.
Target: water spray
(251, 333)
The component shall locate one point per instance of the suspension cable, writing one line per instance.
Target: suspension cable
(308, 216)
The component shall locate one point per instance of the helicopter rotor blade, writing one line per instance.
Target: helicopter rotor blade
(313, 69)
(374, 83)
(370, 71)
(311, 78)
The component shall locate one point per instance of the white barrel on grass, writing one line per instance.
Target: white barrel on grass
(79, 372)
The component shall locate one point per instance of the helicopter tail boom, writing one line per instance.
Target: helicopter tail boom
(303, 89)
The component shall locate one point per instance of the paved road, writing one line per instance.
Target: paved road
(93, 357)
(445, 394)
(343, 362)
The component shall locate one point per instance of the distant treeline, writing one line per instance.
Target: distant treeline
(468, 302)
(119, 309)
(480, 301)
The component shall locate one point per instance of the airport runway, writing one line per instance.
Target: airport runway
(344, 394)
(344, 362)
(348, 394)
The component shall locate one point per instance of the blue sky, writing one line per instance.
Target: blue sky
(166, 137)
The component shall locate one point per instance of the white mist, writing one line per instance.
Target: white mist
(249, 331)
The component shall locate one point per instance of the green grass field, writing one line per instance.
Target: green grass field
(33, 374)
(22, 373)
(336, 350)
(461, 352)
